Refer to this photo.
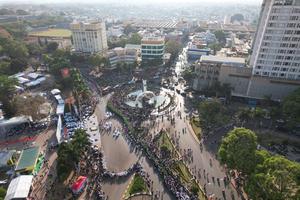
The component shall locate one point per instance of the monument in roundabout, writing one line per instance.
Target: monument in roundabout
(160, 102)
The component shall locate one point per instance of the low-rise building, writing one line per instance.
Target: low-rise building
(209, 69)
(61, 36)
(152, 48)
(196, 49)
(122, 55)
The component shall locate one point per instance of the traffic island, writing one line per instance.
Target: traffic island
(180, 170)
(136, 187)
(195, 123)
(165, 147)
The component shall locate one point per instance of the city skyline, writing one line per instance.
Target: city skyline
(253, 2)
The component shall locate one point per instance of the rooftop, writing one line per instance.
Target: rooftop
(5, 156)
(64, 33)
(28, 158)
(152, 40)
(19, 187)
(221, 59)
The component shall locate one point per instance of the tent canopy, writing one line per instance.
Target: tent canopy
(19, 187)
(79, 183)
(60, 109)
(14, 121)
(55, 91)
(28, 159)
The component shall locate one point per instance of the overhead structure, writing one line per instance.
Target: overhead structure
(55, 91)
(19, 187)
(59, 130)
(79, 185)
(27, 160)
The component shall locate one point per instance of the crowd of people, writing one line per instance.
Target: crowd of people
(145, 142)
(92, 166)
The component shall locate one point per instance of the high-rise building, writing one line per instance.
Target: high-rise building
(152, 48)
(89, 37)
(276, 48)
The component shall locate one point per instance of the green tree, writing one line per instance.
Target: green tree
(5, 68)
(2, 193)
(7, 89)
(173, 48)
(128, 29)
(14, 49)
(237, 17)
(244, 114)
(211, 113)
(291, 109)
(221, 37)
(238, 149)
(52, 46)
(18, 65)
(34, 49)
(70, 153)
(57, 65)
(96, 60)
(215, 47)
(276, 178)
(135, 38)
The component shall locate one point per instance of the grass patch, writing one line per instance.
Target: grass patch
(195, 123)
(52, 33)
(137, 185)
(186, 178)
(163, 141)
(180, 169)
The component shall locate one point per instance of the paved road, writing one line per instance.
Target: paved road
(201, 160)
(120, 155)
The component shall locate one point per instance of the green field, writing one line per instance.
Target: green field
(52, 33)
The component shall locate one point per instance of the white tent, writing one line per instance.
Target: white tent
(19, 187)
(59, 99)
(22, 80)
(55, 91)
(34, 75)
(59, 130)
(60, 109)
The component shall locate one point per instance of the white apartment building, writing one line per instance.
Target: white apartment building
(276, 48)
(89, 37)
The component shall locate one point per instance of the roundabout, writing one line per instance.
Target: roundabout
(159, 101)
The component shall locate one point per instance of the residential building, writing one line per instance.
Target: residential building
(208, 69)
(153, 48)
(276, 49)
(61, 36)
(115, 31)
(89, 37)
(122, 55)
(196, 49)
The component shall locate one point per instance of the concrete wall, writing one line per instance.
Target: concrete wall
(237, 77)
(245, 85)
(278, 89)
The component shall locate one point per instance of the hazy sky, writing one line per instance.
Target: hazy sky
(135, 1)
